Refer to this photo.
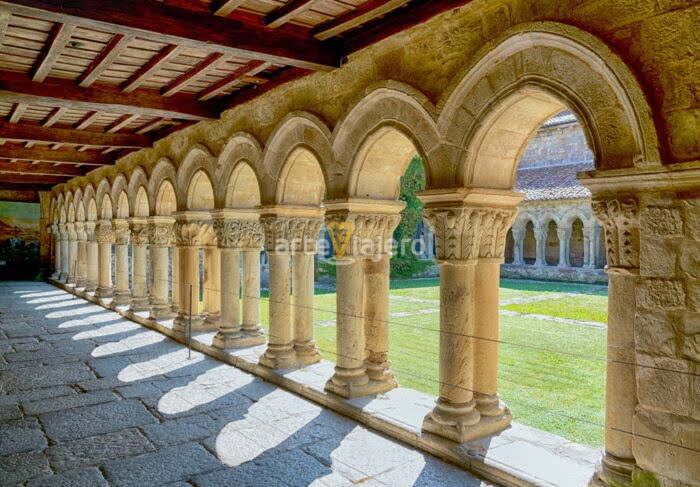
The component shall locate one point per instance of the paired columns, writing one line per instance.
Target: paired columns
(470, 232)
(291, 235)
(161, 237)
(104, 234)
(518, 242)
(564, 235)
(541, 246)
(56, 251)
(239, 232)
(81, 255)
(122, 234)
(361, 232)
(140, 233)
(620, 218)
(72, 252)
(92, 257)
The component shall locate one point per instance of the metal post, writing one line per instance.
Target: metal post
(189, 329)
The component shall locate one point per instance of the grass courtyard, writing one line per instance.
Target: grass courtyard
(551, 372)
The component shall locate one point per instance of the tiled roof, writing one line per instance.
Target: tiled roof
(552, 183)
(567, 116)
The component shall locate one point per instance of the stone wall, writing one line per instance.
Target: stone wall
(557, 145)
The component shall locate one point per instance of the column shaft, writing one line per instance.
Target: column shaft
(81, 278)
(159, 292)
(189, 290)
(92, 266)
(280, 351)
(212, 287)
(251, 298)
(175, 281)
(105, 270)
(376, 313)
(139, 299)
(303, 305)
(230, 328)
(65, 257)
(122, 295)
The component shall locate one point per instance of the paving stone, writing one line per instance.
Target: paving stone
(100, 383)
(76, 478)
(15, 469)
(168, 465)
(106, 367)
(68, 402)
(285, 469)
(36, 394)
(428, 472)
(182, 430)
(34, 377)
(13, 341)
(31, 346)
(95, 420)
(21, 435)
(9, 411)
(95, 450)
(142, 389)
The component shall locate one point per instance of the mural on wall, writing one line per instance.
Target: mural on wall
(19, 240)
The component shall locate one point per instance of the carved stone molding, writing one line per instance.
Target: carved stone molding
(104, 232)
(362, 234)
(620, 219)
(238, 233)
(291, 234)
(458, 232)
(122, 233)
(80, 233)
(162, 234)
(90, 230)
(495, 229)
(191, 233)
(140, 233)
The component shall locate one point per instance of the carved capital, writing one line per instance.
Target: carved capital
(620, 219)
(162, 234)
(121, 232)
(238, 233)
(104, 232)
(140, 233)
(90, 230)
(495, 224)
(458, 232)
(80, 233)
(70, 231)
(362, 234)
(191, 233)
(285, 234)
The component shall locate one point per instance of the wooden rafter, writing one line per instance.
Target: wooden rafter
(17, 112)
(164, 23)
(9, 193)
(41, 169)
(223, 8)
(248, 69)
(37, 133)
(150, 126)
(65, 156)
(60, 35)
(16, 88)
(32, 178)
(150, 68)
(247, 94)
(105, 59)
(287, 12)
(210, 62)
(364, 13)
(4, 24)
(88, 120)
(121, 123)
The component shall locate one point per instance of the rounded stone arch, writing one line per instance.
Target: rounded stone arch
(120, 196)
(138, 193)
(78, 199)
(80, 213)
(296, 161)
(165, 199)
(571, 216)
(242, 148)
(242, 188)
(89, 202)
(104, 199)
(164, 170)
(63, 218)
(526, 76)
(70, 207)
(198, 161)
(391, 122)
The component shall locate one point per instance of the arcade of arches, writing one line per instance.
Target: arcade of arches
(331, 148)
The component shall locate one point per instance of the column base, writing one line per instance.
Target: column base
(161, 312)
(80, 282)
(355, 382)
(213, 320)
(181, 324)
(104, 292)
(121, 298)
(139, 304)
(279, 357)
(490, 405)
(307, 353)
(63, 276)
(236, 339)
(90, 287)
(613, 471)
(457, 422)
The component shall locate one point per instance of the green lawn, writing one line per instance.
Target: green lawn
(543, 376)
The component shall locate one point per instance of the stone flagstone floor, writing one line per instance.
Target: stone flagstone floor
(89, 398)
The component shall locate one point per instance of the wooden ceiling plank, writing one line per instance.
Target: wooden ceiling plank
(150, 68)
(223, 8)
(101, 63)
(17, 112)
(150, 126)
(121, 123)
(4, 24)
(37, 133)
(55, 116)
(60, 35)
(32, 179)
(52, 156)
(160, 22)
(223, 84)
(201, 69)
(361, 15)
(40, 169)
(28, 194)
(16, 88)
(88, 120)
(287, 12)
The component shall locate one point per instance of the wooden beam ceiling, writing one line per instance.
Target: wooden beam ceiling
(8, 192)
(287, 12)
(223, 8)
(59, 37)
(224, 84)
(17, 88)
(150, 68)
(208, 64)
(186, 28)
(33, 179)
(38, 133)
(41, 169)
(105, 59)
(55, 156)
(364, 13)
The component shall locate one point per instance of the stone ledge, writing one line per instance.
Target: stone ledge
(519, 456)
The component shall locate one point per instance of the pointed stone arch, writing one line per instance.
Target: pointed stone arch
(104, 199)
(120, 198)
(138, 193)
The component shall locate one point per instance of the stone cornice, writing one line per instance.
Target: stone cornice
(676, 177)
(471, 197)
(291, 234)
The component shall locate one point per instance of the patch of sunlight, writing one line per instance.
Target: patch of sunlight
(85, 310)
(107, 330)
(207, 387)
(128, 344)
(244, 440)
(90, 320)
(39, 294)
(159, 365)
(62, 304)
(28, 291)
(48, 299)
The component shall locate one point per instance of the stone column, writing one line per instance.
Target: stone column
(175, 281)
(495, 225)
(234, 231)
(587, 256)
(104, 234)
(250, 326)
(620, 218)
(162, 236)
(212, 287)
(306, 233)
(596, 258)
(72, 252)
(564, 235)
(92, 257)
(541, 249)
(122, 294)
(518, 239)
(139, 241)
(190, 231)
(56, 252)
(81, 255)
(361, 233)
(64, 252)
